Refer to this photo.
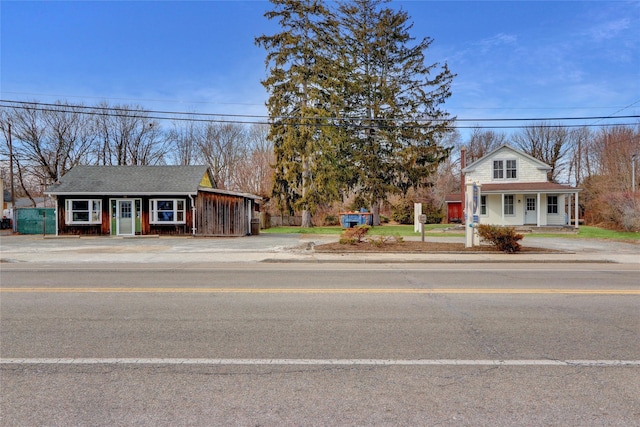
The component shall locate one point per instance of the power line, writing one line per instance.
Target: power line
(180, 101)
(128, 110)
(50, 95)
(266, 120)
(196, 114)
(623, 108)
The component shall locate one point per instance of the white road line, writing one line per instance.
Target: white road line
(318, 362)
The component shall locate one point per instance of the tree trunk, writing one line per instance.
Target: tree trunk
(306, 219)
(375, 209)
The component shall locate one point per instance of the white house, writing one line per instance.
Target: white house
(515, 191)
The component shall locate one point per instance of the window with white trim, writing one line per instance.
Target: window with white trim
(483, 205)
(498, 171)
(505, 169)
(552, 204)
(83, 211)
(508, 204)
(512, 172)
(167, 211)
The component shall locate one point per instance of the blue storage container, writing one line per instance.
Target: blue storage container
(353, 219)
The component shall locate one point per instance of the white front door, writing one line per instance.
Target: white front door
(530, 212)
(125, 218)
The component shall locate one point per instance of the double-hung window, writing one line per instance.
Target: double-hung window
(167, 211)
(498, 169)
(83, 211)
(483, 205)
(508, 204)
(511, 169)
(552, 204)
(505, 169)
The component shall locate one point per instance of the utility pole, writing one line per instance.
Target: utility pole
(633, 172)
(13, 197)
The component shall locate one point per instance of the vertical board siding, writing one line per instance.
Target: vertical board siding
(221, 215)
(216, 215)
(89, 229)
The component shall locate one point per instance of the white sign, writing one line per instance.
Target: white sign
(472, 214)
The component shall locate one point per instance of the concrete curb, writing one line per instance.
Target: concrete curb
(436, 261)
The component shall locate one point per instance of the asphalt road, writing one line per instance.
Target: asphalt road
(320, 345)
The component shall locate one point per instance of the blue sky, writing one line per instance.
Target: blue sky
(513, 58)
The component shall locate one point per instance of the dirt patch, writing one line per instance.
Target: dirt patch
(412, 246)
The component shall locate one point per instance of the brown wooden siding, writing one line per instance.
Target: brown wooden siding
(222, 215)
(105, 227)
(89, 229)
(216, 215)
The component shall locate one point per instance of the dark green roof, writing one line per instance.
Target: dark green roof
(130, 180)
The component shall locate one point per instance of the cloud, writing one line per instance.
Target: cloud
(497, 41)
(481, 48)
(609, 30)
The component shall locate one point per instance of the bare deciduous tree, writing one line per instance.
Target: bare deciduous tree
(546, 143)
(611, 150)
(608, 198)
(254, 173)
(182, 141)
(47, 141)
(579, 155)
(128, 137)
(482, 142)
(222, 145)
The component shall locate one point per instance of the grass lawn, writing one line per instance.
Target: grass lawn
(383, 230)
(601, 233)
(586, 232)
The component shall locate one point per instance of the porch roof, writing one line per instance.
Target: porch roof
(453, 198)
(528, 187)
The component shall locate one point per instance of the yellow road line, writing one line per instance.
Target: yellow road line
(323, 290)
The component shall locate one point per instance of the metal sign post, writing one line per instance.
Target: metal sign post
(422, 218)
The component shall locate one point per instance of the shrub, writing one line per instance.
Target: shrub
(505, 239)
(379, 241)
(434, 216)
(402, 212)
(354, 235)
(331, 220)
(622, 211)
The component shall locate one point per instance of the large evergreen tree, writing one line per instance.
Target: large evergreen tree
(300, 66)
(392, 101)
(352, 103)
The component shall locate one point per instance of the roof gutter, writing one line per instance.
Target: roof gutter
(547, 191)
(117, 193)
(193, 215)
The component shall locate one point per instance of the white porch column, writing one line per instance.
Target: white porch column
(538, 209)
(568, 213)
(576, 215)
(502, 208)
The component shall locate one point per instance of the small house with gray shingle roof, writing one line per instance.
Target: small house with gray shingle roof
(148, 200)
